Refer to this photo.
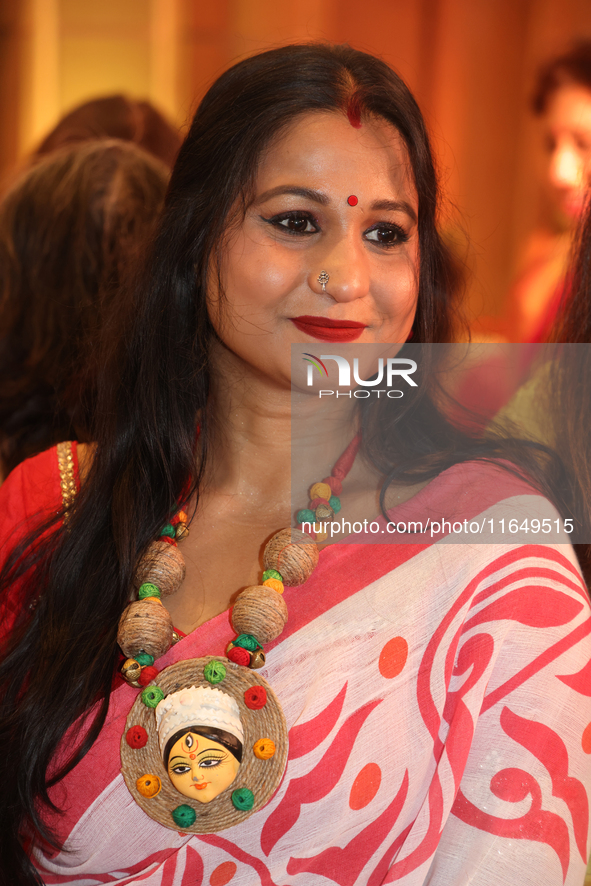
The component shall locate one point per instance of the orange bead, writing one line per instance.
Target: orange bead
(182, 517)
(320, 490)
(264, 748)
(149, 786)
(275, 584)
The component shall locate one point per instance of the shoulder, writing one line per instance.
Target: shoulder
(41, 486)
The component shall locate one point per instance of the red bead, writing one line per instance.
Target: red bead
(167, 539)
(335, 484)
(136, 737)
(148, 674)
(317, 501)
(239, 655)
(352, 200)
(255, 698)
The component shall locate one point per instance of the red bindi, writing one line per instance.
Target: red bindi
(192, 756)
(352, 200)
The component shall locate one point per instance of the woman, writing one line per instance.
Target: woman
(69, 227)
(301, 211)
(562, 100)
(116, 116)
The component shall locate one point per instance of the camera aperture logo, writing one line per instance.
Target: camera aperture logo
(394, 368)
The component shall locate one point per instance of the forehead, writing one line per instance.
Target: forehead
(570, 106)
(325, 152)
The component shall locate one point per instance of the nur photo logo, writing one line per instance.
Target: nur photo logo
(388, 371)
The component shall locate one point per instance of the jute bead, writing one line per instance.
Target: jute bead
(259, 611)
(162, 565)
(294, 554)
(145, 626)
(320, 490)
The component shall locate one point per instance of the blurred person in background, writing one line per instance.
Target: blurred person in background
(562, 99)
(68, 228)
(116, 116)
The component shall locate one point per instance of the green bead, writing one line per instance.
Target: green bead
(247, 641)
(152, 696)
(214, 672)
(305, 516)
(148, 590)
(169, 530)
(335, 503)
(272, 573)
(144, 659)
(184, 816)
(243, 799)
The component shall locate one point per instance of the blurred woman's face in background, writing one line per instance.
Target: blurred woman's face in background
(567, 125)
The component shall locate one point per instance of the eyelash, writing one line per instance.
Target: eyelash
(296, 215)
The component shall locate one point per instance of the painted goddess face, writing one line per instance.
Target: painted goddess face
(201, 768)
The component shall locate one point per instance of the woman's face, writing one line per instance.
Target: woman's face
(200, 768)
(328, 197)
(568, 137)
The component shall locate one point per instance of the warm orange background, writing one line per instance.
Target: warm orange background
(470, 63)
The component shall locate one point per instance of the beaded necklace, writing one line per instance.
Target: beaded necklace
(209, 728)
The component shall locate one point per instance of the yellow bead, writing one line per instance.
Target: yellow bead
(275, 584)
(320, 490)
(321, 536)
(149, 786)
(264, 748)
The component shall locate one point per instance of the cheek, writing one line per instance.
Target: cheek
(397, 289)
(257, 275)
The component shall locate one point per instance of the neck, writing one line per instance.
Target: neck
(259, 427)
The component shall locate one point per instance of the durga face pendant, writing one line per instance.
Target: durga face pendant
(205, 745)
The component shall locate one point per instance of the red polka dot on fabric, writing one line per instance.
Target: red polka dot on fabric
(222, 874)
(365, 786)
(393, 657)
(586, 740)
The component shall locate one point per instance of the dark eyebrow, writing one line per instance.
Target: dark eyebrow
(308, 193)
(323, 200)
(395, 206)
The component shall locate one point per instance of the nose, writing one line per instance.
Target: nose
(348, 272)
(566, 167)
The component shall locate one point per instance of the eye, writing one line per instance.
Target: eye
(181, 769)
(210, 762)
(294, 222)
(583, 144)
(386, 235)
(189, 741)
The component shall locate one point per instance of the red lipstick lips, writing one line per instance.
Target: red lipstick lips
(324, 329)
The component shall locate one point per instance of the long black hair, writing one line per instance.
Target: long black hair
(155, 387)
(571, 386)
